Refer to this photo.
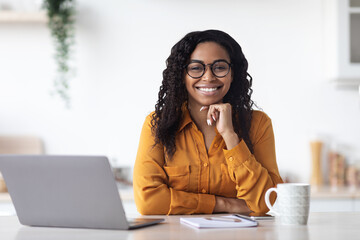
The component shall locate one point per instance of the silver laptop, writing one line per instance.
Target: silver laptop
(66, 191)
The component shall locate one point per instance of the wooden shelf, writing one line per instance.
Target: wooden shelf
(22, 17)
(327, 192)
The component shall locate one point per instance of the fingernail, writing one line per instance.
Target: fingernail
(202, 108)
(213, 118)
(208, 122)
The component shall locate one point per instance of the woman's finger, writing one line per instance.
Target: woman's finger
(211, 118)
(214, 116)
(204, 108)
(216, 111)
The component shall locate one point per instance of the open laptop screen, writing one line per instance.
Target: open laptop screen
(64, 191)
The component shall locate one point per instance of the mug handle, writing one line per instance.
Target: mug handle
(267, 199)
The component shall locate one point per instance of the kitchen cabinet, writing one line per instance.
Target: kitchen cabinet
(342, 37)
(342, 200)
(331, 205)
(357, 205)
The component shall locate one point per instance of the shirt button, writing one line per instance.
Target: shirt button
(203, 190)
(205, 164)
(216, 145)
(231, 158)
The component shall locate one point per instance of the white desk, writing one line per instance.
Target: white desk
(325, 226)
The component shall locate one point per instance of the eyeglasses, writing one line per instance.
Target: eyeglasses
(196, 69)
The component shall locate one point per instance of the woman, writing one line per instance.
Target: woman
(204, 150)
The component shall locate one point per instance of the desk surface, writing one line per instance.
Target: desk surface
(321, 226)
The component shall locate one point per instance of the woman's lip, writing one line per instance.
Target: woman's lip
(208, 86)
(208, 90)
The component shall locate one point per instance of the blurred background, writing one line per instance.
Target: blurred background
(298, 56)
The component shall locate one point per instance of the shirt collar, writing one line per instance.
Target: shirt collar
(186, 119)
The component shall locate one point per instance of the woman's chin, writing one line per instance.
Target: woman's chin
(207, 103)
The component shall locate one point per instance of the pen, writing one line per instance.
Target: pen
(244, 217)
(223, 219)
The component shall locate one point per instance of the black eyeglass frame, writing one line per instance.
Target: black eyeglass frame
(211, 67)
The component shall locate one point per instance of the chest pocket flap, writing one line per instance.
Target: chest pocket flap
(178, 177)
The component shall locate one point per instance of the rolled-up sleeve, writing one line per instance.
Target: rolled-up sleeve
(255, 173)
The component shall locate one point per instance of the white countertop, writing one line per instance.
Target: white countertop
(326, 192)
(127, 197)
(127, 194)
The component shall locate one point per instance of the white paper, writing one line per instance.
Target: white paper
(218, 222)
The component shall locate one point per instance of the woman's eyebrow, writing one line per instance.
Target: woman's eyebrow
(196, 61)
(199, 61)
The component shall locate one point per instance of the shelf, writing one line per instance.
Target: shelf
(23, 17)
(327, 192)
(354, 10)
(347, 83)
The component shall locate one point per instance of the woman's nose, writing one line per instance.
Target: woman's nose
(208, 75)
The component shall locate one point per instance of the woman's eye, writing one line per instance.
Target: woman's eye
(219, 68)
(195, 68)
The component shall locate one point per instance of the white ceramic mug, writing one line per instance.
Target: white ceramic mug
(292, 203)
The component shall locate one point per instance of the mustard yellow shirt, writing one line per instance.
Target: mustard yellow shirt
(189, 182)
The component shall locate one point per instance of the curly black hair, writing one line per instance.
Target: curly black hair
(168, 110)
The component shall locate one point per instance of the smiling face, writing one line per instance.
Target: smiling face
(207, 89)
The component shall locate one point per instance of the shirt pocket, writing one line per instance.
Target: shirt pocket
(179, 177)
(227, 186)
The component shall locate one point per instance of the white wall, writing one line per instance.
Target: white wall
(120, 55)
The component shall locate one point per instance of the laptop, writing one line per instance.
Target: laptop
(66, 191)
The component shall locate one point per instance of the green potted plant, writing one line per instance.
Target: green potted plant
(61, 14)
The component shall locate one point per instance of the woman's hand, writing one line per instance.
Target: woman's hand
(230, 205)
(221, 116)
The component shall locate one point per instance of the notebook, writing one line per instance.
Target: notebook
(215, 221)
(66, 191)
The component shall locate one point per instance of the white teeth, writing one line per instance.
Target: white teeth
(208, 89)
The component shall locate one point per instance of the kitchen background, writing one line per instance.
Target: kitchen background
(120, 53)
